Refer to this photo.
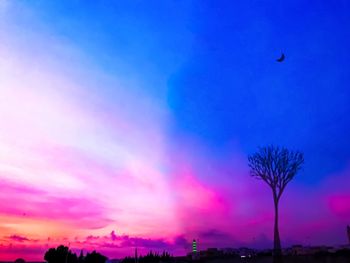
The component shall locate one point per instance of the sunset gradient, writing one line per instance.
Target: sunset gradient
(129, 124)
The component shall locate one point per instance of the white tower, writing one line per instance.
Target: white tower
(194, 246)
(195, 254)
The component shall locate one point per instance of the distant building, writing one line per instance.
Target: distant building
(242, 251)
(318, 249)
(211, 253)
(337, 248)
(269, 252)
(286, 251)
(246, 252)
(299, 250)
(229, 251)
(182, 259)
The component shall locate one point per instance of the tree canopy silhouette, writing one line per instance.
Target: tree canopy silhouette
(94, 257)
(151, 257)
(276, 167)
(62, 254)
(155, 257)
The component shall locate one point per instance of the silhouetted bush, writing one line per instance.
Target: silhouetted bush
(81, 257)
(62, 254)
(321, 254)
(150, 258)
(264, 254)
(95, 257)
(128, 260)
(343, 253)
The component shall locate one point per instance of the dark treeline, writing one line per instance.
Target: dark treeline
(62, 254)
(150, 258)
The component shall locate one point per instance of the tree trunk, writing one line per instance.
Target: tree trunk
(277, 250)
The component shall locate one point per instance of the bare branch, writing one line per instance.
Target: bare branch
(275, 166)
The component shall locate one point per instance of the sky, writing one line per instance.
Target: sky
(128, 123)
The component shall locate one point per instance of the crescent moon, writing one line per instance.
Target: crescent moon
(281, 59)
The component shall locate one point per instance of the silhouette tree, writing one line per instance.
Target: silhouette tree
(165, 257)
(81, 257)
(61, 254)
(128, 260)
(95, 257)
(151, 257)
(276, 167)
(20, 260)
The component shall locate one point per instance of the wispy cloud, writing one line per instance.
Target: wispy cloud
(17, 238)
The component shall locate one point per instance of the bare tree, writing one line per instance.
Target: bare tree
(276, 167)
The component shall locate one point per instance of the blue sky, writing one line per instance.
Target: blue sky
(232, 88)
(214, 61)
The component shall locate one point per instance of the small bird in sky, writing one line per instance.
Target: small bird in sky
(281, 59)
